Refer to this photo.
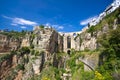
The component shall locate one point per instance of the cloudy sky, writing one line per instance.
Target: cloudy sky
(63, 15)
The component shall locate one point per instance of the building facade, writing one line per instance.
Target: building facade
(112, 7)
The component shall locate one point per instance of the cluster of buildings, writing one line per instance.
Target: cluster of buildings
(112, 7)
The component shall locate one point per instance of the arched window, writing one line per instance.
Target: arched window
(68, 42)
(74, 34)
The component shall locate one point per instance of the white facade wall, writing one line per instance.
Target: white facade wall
(108, 10)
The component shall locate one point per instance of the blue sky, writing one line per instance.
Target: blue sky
(63, 15)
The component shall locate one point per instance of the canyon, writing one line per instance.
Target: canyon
(44, 52)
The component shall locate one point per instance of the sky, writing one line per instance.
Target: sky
(63, 15)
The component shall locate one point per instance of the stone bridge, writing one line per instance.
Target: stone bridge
(69, 41)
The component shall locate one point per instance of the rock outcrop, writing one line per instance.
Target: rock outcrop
(90, 61)
(44, 39)
(36, 51)
(8, 44)
(89, 40)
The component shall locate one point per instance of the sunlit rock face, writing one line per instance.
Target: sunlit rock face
(8, 44)
(91, 61)
(44, 39)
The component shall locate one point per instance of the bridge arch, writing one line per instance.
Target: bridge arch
(68, 52)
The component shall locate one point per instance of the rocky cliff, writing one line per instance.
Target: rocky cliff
(44, 39)
(37, 50)
(8, 44)
(88, 38)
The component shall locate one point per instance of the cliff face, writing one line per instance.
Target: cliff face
(44, 40)
(12, 66)
(88, 39)
(48, 43)
(8, 43)
(38, 50)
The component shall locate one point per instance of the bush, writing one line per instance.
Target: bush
(33, 52)
(25, 50)
(86, 50)
(20, 67)
(91, 29)
(41, 26)
(98, 76)
(110, 52)
(83, 75)
(32, 46)
(37, 53)
(7, 56)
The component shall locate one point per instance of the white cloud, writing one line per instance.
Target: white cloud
(60, 27)
(57, 27)
(14, 24)
(23, 27)
(86, 21)
(20, 21)
(48, 25)
(6, 17)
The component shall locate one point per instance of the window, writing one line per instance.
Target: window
(68, 42)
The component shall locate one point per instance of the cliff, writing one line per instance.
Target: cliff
(43, 39)
(37, 51)
(8, 44)
(88, 38)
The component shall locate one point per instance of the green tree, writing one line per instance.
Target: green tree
(41, 26)
(111, 48)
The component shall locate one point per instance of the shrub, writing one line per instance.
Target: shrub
(86, 50)
(5, 57)
(32, 52)
(20, 67)
(32, 46)
(83, 75)
(41, 26)
(37, 53)
(25, 50)
(91, 29)
(98, 76)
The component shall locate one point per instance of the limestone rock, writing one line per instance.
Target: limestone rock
(8, 44)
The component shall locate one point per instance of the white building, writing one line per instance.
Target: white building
(93, 22)
(112, 7)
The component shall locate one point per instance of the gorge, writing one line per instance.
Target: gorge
(45, 54)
